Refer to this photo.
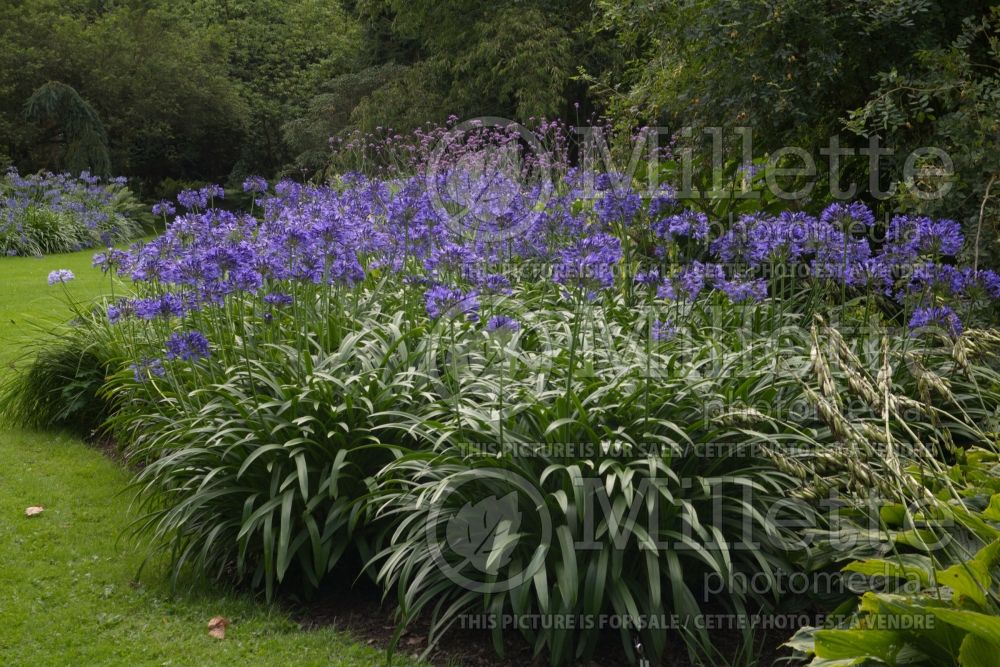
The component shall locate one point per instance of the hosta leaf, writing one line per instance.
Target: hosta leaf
(992, 512)
(893, 514)
(903, 566)
(978, 652)
(982, 625)
(882, 645)
(970, 579)
(803, 641)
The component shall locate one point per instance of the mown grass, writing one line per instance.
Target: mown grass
(68, 593)
(28, 303)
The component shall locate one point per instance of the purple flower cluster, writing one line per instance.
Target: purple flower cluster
(442, 301)
(60, 276)
(617, 201)
(503, 323)
(913, 265)
(187, 346)
(690, 280)
(146, 367)
(688, 224)
(164, 208)
(92, 205)
(663, 330)
(589, 264)
(199, 200)
(921, 235)
(936, 317)
(850, 217)
(255, 184)
(456, 238)
(278, 299)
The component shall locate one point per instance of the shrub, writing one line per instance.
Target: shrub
(48, 213)
(63, 385)
(556, 497)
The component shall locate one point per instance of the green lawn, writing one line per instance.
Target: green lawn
(67, 595)
(28, 303)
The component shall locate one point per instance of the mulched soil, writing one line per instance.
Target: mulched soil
(359, 612)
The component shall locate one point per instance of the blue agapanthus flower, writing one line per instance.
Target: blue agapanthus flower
(848, 217)
(936, 317)
(164, 207)
(187, 346)
(278, 299)
(60, 276)
(255, 184)
(739, 289)
(166, 305)
(647, 276)
(663, 330)
(503, 323)
(589, 263)
(146, 368)
(986, 279)
(907, 237)
(617, 201)
(443, 301)
(687, 224)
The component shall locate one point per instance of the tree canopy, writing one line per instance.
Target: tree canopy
(214, 90)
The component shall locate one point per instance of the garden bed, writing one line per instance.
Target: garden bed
(589, 407)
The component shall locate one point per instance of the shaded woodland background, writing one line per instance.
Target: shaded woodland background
(170, 93)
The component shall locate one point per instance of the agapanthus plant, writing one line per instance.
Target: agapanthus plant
(300, 377)
(49, 213)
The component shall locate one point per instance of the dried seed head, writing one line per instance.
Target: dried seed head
(960, 354)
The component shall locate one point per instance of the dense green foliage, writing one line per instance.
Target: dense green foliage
(186, 91)
(495, 394)
(212, 90)
(913, 73)
(77, 137)
(46, 213)
(274, 461)
(424, 62)
(924, 604)
(950, 99)
(69, 584)
(304, 402)
(790, 69)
